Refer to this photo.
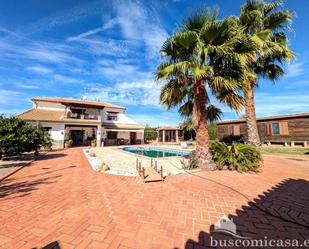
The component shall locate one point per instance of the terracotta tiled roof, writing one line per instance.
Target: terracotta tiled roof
(122, 126)
(42, 115)
(79, 102)
(52, 116)
(287, 116)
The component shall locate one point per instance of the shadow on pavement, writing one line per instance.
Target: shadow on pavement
(281, 213)
(23, 188)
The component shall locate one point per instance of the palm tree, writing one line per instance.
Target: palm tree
(205, 56)
(213, 114)
(266, 26)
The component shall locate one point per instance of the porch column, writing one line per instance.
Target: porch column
(163, 136)
(99, 135)
(142, 140)
(177, 138)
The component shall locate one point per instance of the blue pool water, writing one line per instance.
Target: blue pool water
(156, 152)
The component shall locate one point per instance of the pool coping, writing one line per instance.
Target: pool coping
(147, 157)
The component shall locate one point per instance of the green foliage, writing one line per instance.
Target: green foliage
(204, 49)
(191, 164)
(188, 127)
(150, 133)
(240, 157)
(70, 142)
(17, 136)
(266, 25)
(212, 131)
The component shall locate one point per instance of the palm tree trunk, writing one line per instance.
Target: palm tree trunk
(202, 153)
(253, 137)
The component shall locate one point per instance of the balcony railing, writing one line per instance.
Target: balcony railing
(83, 116)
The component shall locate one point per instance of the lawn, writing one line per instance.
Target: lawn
(295, 151)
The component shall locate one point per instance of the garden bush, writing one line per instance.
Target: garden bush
(150, 133)
(240, 157)
(18, 136)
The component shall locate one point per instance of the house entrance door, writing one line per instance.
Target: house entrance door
(132, 137)
(78, 138)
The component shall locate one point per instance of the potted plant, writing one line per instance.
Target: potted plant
(93, 143)
(68, 143)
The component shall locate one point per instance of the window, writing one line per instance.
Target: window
(275, 128)
(112, 135)
(234, 130)
(112, 116)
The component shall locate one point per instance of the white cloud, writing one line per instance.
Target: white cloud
(9, 96)
(137, 22)
(295, 69)
(160, 118)
(271, 104)
(144, 93)
(39, 69)
(56, 53)
(64, 17)
(66, 79)
(138, 25)
(25, 85)
(111, 23)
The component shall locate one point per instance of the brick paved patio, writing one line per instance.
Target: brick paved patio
(59, 202)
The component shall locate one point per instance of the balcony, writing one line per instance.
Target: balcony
(77, 116)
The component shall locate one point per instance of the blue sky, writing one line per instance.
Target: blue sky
(108, 50)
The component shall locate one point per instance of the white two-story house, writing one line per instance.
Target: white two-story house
(83, 121)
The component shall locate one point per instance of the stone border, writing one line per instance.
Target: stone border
(96, 166)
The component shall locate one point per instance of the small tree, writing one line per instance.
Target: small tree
(150, 133)
(17, 136)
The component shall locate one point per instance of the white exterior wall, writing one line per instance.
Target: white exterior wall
(122, 118)
(57, 133)
(50, 105)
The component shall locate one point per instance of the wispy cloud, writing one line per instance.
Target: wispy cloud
(8, 96)
(65, 17)
(159, 118)
(65, 79)
(24, 85)
(138, 25)
(111, 23)
(138, 22)
(39, 69)
(139, 93)
(295, 69)
(272, 104)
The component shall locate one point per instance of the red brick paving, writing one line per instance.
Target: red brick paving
(61, 202)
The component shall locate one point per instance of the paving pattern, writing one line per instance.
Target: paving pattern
(62, 203)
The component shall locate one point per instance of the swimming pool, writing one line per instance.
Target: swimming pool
(156, 152)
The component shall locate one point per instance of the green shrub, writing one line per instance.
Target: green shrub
(17, 136)
(150, 133)
(240, 157)
(69, 142)
(212, 131)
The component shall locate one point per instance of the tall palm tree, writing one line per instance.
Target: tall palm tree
(205, 56)
(266, 25)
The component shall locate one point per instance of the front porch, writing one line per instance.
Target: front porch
(83, 135)
(114, 137)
